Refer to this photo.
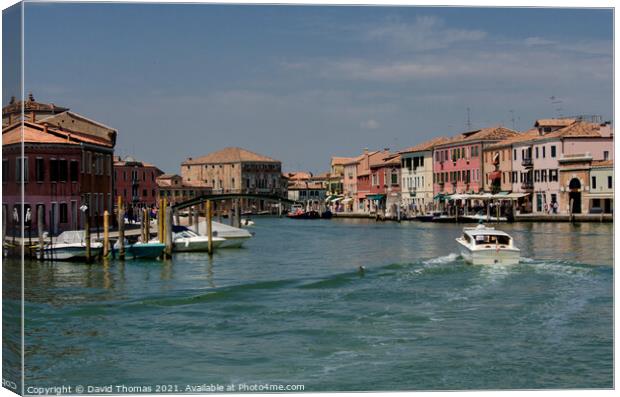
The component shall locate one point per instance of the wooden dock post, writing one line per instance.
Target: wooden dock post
(237, 213)
(106, 233)
(40, 222)
(177, 218)
(147, 230)
(159, 224)
(190, 216)
(197, 219)
(210, 226)
(121, 229)
(87, 234)
(168, 232)
(280, 208)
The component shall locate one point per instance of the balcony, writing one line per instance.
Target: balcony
(527, 186)
(527, 162)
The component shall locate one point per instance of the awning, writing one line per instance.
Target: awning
(375, 196)
(347, 200)
(439, 196)
(337, 199)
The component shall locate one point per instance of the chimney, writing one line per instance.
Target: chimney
(33, 116)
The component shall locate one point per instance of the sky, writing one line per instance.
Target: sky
(304, 83)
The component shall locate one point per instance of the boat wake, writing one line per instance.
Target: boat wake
(442, 260)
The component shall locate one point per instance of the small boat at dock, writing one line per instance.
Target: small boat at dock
(140, 250)
(70, 246)
(482, 245)
(185, 240)
(297, 212)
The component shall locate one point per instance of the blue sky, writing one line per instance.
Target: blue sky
(303, 83)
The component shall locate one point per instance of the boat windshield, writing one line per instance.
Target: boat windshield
(185, 234)
(492, 239)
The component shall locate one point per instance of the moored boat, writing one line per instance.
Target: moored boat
(482, 245)
(70, 246)
(140, 250)
(185, 240)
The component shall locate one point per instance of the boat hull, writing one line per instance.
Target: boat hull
(144, 251)
(195, 245)
(489, 256)
(233, 242)
(71, 252)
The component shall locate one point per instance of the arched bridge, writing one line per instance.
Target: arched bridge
(227, 196)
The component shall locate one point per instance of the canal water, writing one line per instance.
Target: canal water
(292, 308)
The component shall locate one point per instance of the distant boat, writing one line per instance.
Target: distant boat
(69, 246)
(482, 245)
(481, 216)
(140, 250)
(297, 212)
(327, 214)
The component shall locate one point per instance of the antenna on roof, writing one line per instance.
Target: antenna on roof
(468, 119)
(558, 103)
(512, 119)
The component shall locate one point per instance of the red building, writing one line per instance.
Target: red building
(136, 182)
(385, 184)
(66, 162)
(458, 165)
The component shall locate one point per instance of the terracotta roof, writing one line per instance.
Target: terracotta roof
(52, 135)
(391, 159)
(298, 175)
(341, 160)
(578, 129)
(324, 175)
(427, 145)
(520, 137)
(553, 122)
(32, 135)
(230, 155)
(485, 134)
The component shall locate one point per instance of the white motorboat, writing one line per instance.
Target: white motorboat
(234, 236)
(481, 216)
(70, 245)
(185, 240)
(482, 245)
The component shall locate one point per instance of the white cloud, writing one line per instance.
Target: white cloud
(425, 33)
(370, 124)
(538, 41)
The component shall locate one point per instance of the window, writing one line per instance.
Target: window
(394, 178)
(553, 151)
(143, 192)
(39, 166)
(374, 179)
(63, 213)
(553, 175)
(232, 183)
(53, 170)
(536, 151)
(609, 182)
(5, 170)
(153, 193)
(89, 162)
(124, 175)
(62, 170)
(536, 176)
(543, 175)
(593, 182)
(543, 148)
(605, 155)
(73, 171)
(515, 154)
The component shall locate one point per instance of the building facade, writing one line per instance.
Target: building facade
(417, 177)
(67, 163)
(385, 186)
(136, 182)
(600, 197)
(458, 166)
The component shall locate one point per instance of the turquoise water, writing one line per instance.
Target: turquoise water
(291, 308)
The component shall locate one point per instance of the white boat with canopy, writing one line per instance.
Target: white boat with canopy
(482, 245)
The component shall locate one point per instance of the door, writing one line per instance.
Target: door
(74, 215)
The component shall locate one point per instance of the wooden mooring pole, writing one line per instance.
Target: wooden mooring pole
(106, 233)
(40, 222)
(121, 229)
(87, 234)
(197, 219)
(210, 226)
(168, 232)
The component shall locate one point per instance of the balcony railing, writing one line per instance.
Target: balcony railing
(527, 186)
(526, 162)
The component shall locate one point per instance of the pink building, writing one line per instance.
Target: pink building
(457, 163)
(536, 162)
(385, 185)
